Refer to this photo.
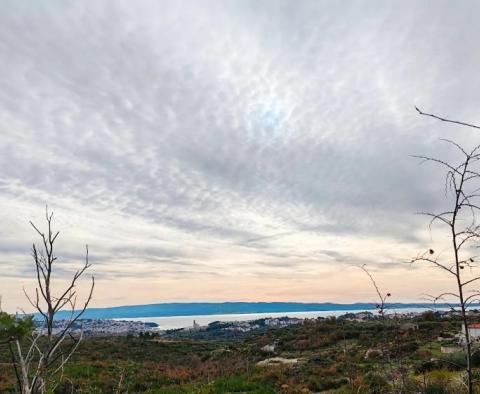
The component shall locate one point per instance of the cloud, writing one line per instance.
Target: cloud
(229, 136)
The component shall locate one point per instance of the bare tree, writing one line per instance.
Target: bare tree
(462, 184)
(39, 366)
(382, 298)
(382, 310)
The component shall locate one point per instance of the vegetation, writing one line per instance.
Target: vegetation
(332, 355)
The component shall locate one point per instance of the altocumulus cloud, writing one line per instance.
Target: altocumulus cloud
(228, 149)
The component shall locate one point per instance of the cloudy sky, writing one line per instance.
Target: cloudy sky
(230, 150)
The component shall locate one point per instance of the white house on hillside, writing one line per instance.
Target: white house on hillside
(473, 331)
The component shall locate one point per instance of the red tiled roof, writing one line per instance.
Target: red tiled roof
(474, 325)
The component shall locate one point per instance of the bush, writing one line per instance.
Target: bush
(321, 384)
(476, 357)
(408, 347)
(376, 383)
(436, 388)
(455, 361)
(438, 382)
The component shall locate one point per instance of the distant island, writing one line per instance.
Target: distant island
(225, 308)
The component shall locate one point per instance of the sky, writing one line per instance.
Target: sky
(231, 150)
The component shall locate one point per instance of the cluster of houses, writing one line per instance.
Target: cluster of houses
(101, 327)
(244, 326)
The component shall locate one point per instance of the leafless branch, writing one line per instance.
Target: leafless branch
(447, 120)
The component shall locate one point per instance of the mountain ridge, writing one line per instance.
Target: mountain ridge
(225, 308)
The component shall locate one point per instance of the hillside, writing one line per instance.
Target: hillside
(326, 355)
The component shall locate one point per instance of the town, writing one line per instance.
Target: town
(113, 327)
(99, 327)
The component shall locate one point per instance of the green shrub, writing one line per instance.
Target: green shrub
(436, 388)
(376, 383)
(321, 383)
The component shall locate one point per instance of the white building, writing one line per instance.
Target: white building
(473, 331)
